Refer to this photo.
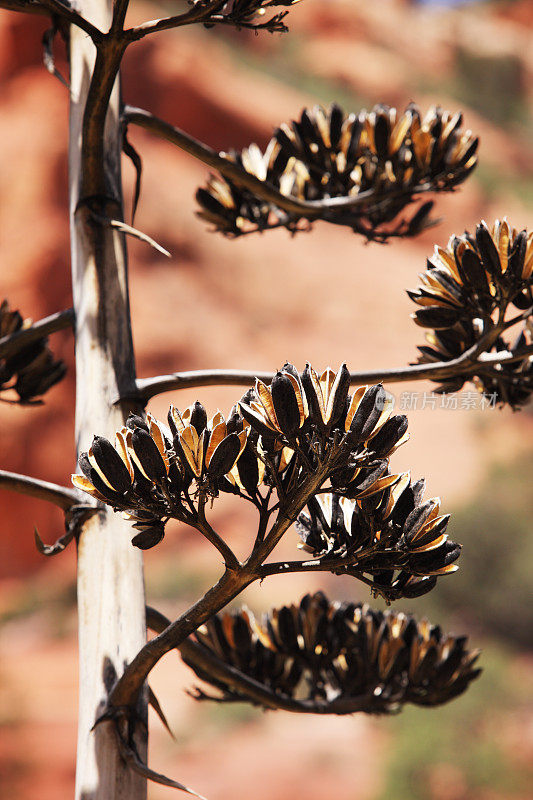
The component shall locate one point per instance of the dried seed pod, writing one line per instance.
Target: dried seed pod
(396, 532)
(331, 657)
(327, 395)
(465, 293)
(153, 473)
(383, 155)
(29, 370)
(280, 409)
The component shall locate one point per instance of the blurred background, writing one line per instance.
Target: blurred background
(253, 303)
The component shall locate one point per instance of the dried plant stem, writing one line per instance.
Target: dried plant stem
(196, 14)
(63, 10)
(231, 584)
(60, 496)
(110, 578)
(464, 365)
(66, 12)
(128, 687)
(25, 336)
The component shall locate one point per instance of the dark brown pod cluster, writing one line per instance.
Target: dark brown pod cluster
(468, 291)
(251, 14)
(385, 157)
(315, 424)
(329, 657)
(153, 473)
(391, 537)
(232, 209)
(32, 369)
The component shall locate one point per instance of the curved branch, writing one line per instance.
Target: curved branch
(126, 690)
(55, 322)
(198, 14)
(57, 8)
(231, 584)
(463, 365)
(310, 209)
(43, 490)
(202, 525)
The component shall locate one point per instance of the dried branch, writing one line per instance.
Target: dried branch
(43, 490)
(57, 8)
(96, 191)
(226, 589)
(198, 13)
(464, 365)
(74, 519)
(120, 9)
(55, 322)
(230, 559)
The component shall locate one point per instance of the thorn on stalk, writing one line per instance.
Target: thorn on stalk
(129, 150)
(128, 230)
(132, 759)
(154, 702)
(74, 519)
(48, 53)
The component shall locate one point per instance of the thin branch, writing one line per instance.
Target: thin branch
(126, 690)
(61, 496)
(60, 9)
(120, 9)
(150, 387)
(94, 184)
(310, 209)
(197, 14)
(55, 322)
(230, 559)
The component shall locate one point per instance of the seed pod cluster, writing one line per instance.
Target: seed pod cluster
(313, 417)
(250, 14)
(32, 369)
(391, 536)
(153, 472)
(332, 657)
(383, 155)
(467, 290)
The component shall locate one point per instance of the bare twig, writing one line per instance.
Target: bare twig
(55, 322)
(61, 496)
(201, 524)
(120, 9)
(58, 8)
(126, 690)
(463, 365)
(75, 516)
(197, 14)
